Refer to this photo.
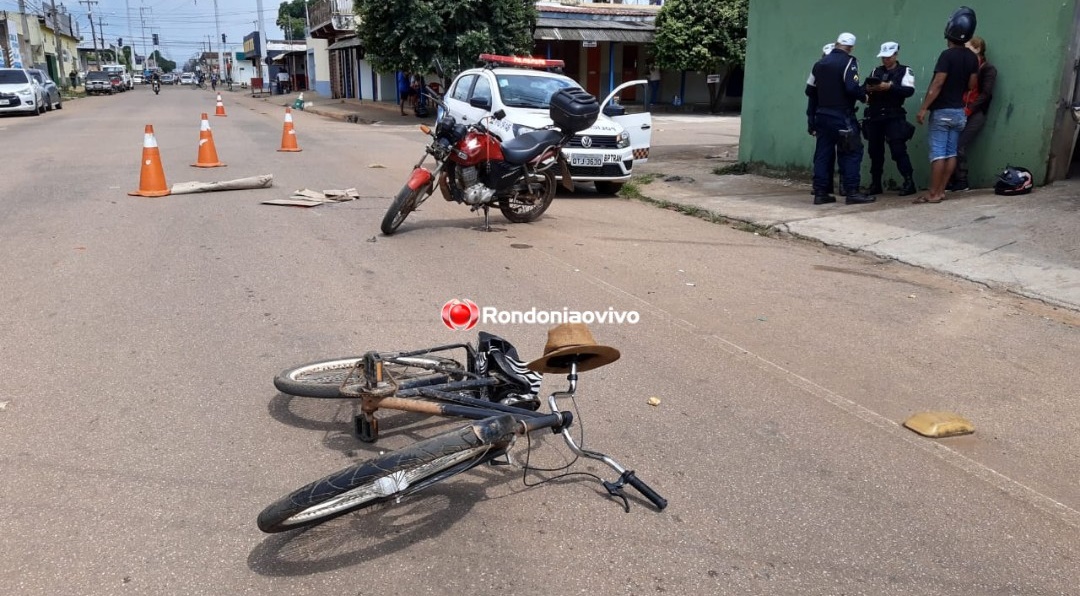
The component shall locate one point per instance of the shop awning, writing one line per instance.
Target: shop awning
(341, 44)
(280, 58)
(595, 30)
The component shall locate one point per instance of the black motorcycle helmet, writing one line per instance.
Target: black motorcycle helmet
(1014, 180)
(961, 25)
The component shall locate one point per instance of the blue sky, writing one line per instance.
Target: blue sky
(184, 26)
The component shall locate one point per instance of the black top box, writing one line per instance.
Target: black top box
(573, 110)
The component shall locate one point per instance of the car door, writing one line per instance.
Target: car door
(457, 99)
(638, 125)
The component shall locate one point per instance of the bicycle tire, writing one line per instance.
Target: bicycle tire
(324, 378)
(524, 212)
(390, 478)
(404, 204)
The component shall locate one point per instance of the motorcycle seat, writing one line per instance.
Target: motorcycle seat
(524, 148)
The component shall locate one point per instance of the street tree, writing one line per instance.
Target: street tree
(291, 19)
(410, 35)
(703, 36)
(162, 62)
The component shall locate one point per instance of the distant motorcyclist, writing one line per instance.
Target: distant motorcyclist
(155, 81)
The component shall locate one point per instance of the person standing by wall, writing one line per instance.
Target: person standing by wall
(955, 73)
(886, 88)
(811, 110)
(654, 84)
(836, 89)
(976, 108)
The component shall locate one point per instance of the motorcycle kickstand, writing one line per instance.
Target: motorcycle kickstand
(487, 219)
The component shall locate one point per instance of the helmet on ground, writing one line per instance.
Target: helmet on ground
(1014, 180)
(961, 25)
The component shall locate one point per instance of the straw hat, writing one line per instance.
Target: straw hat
(570, 340)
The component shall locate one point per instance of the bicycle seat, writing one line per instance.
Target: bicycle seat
(571, 343)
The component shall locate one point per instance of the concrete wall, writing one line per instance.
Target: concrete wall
(1024, 40)
(318, 60)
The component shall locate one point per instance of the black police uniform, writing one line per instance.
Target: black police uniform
(836, 89)
(886, 121)
(830, 155)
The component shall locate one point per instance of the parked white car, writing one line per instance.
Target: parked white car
(19, 92)
(187, 78)
(604, 154)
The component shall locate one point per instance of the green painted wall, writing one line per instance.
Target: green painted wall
(1027, 41)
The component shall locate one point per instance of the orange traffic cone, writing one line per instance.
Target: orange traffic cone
(207, 152)
(152, 177)
(288, 134)
(220, 111)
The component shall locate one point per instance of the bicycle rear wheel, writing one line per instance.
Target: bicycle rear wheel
(391, 478)
(324, 378)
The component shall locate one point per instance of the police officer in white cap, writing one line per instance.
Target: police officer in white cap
(886, 120)
(811, 111)
(836, 89)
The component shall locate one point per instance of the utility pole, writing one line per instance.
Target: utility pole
(26, 51)
(221, 51)
(90, 13)
(262, 39)
(142, 23)
(101, 31)
(60, 74)
(131, 36)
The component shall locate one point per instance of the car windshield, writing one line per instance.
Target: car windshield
(12, 77)
(37, 77)
(97, 76)
(525, 91)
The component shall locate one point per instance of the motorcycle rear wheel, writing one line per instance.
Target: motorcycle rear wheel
(529, 206)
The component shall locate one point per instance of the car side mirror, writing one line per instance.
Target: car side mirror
(482, 103)
(500, 114)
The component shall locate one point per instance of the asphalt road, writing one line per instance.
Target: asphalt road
(140, 433)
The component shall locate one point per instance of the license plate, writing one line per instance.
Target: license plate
(611, 158)
(5, 102)
(588, 161)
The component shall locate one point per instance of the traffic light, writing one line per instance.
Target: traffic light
(222, 38)
(155, 39)
(120, 41)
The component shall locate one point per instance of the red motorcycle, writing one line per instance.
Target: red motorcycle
(474, 168)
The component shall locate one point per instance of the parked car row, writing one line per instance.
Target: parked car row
(29, 91)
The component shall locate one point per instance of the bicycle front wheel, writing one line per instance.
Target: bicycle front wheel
(391, 478)
(324, 378)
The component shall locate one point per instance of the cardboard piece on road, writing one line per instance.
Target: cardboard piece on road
(311, 198)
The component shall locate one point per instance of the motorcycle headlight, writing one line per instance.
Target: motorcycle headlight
(520, 129)
(624, 140)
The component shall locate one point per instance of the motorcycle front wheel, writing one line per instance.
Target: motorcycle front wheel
(529, 203)
(404, 203)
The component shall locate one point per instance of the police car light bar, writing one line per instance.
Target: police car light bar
(521, 61)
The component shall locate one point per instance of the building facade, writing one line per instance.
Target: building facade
(52, 44)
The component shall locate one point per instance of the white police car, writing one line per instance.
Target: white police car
(604, 154)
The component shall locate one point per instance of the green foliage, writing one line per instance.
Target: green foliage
(290, 19)
(162, 62)
(410, 35)
(701, 35)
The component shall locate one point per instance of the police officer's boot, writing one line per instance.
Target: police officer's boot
(875, 186)
(854, 197)
(909, 187)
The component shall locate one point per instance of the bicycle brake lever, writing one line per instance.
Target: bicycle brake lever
(615, 489)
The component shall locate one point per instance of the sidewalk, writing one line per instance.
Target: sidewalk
(349, 110)
(1028, 245)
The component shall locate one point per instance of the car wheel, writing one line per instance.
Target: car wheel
(60, 104)
(608, 188)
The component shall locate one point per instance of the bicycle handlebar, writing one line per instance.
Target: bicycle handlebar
(650, 494)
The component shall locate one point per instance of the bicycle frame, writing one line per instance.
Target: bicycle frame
(377, 391)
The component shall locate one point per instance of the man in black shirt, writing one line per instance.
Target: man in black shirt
(955, 73)
(836, 88)
(886, 88)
